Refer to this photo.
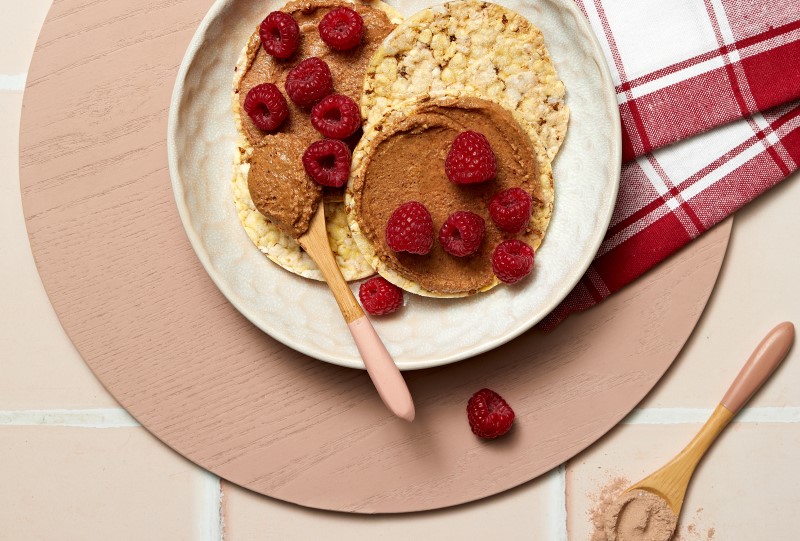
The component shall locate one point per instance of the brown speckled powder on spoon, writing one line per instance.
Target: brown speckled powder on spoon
(604, 498)
(640, 515)
(606, 494)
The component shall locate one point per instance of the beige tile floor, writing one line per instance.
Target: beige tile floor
(744, 490)
(74, 466)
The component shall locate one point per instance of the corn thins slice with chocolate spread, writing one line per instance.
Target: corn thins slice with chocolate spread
(464, 55)
(254, 67)
(404, 160)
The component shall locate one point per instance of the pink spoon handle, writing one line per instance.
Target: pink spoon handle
(760, 366)
(381, 368)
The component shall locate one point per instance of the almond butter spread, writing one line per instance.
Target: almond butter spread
(279, 186)
(406, 163)
(277, 182)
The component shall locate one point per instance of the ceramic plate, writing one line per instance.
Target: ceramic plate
(427, 332)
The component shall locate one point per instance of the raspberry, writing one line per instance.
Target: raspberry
(341, 28)
(280, 34)
(512, 261)
(462, 233)
(470, 159)
(327, 162)
(380, 297)
(336, 116)
(309, 81)
(266, 106)
(410, 229)
(489, 415)
(511, 209)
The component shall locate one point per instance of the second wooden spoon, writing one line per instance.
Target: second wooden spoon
(671, 481)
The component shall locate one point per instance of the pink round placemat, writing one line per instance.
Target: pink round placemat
(141, 310)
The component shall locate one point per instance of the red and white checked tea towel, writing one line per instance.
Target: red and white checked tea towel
(719, 82)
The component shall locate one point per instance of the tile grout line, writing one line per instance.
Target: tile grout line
(675, 416)
(211, 526)
(119, 418)
(559, 525)
(12, 82)
(77, 418)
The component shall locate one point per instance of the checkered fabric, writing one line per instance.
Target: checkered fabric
(719, 82)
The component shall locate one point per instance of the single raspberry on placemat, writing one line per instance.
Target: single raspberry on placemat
(489, 415)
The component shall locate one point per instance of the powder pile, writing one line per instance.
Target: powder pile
(640, 515)
(694, 528)
(604, 499)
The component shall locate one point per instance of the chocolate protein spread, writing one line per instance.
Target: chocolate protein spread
(406, 163)
(277, 182)
(279, 186)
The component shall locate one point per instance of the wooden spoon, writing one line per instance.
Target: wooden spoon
(381, 367)
(671, 481)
